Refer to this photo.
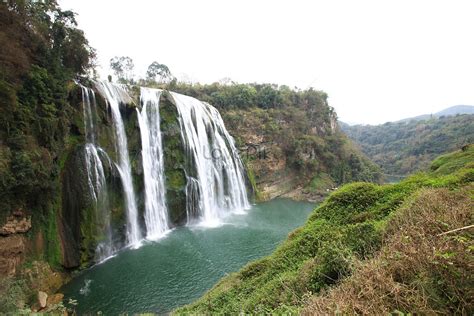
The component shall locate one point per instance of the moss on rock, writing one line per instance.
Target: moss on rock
(174, 159)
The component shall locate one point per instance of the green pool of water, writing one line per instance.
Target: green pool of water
(182, 266)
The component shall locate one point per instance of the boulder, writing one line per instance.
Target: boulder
(55, 299)
(42, 299)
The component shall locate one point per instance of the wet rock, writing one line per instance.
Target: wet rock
(175, 161)
(75, 199)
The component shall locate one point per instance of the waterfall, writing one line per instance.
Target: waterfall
(116, 95)
(156, 214)
(216, 183)
(95, 175)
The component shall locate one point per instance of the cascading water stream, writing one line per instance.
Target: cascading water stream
(115, 95)
(216, 183)
(96, 175)
(156, 213)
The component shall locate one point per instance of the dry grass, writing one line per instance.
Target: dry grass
(417, 271)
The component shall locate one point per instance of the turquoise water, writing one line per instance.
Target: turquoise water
(179, 268)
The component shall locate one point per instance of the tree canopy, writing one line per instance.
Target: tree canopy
(159, 73)
(123, 68)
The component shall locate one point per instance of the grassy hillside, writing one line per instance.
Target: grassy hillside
(417, 270)
(393, 229)
(403, 147)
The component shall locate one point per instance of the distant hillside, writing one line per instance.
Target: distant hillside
(407, 146)
(451, 111)
(457, 109)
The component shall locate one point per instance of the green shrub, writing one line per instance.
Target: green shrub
(346, 202)
(14, 295)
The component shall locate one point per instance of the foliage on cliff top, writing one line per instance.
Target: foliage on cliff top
(348, 228)
(403, 147)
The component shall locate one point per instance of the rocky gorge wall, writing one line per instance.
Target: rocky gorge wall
(296, 152)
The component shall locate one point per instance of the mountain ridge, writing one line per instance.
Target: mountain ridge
(449, 111)
(403, 147)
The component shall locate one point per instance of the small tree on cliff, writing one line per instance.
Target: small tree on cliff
(123, 68)
(159, 73)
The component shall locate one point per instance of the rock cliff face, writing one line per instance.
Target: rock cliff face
(295, 152)
(13, 242)
(175, 161)
(12, 252)
(16, 224)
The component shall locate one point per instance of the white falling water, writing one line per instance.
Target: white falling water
(216, 185)
(156, 214)
(115, 95)
(95, 174)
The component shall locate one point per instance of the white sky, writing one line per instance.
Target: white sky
(378, 60)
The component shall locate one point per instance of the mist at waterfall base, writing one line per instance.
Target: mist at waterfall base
(182, 266)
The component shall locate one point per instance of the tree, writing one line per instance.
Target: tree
(123, 68)
(159, 73)
(268, 97)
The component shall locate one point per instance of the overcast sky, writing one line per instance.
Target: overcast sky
(378, 60)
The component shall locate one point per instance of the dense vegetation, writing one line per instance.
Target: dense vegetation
(394, 229)
(400, 148)
(41, 51)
